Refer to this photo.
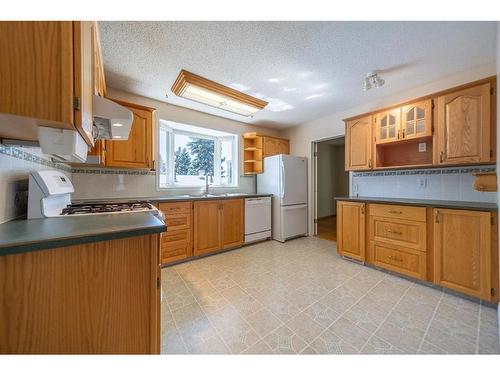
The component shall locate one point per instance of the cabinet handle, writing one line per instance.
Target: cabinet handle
(395, 259)
(441, 156)
(395, 212)
(404, 133)
(369, 163)
(394, 231)
(436, 216)
(363, 209)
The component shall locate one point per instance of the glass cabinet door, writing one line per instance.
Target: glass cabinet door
(388, 126)
(417, 119)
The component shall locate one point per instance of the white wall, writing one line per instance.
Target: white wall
(97, 183)
(330, 126)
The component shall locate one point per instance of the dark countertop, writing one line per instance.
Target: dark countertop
(20, 236)
(478, 206)
(176, 198)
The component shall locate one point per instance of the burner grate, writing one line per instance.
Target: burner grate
(103, 208)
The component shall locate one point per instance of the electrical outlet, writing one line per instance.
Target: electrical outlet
(422, 182)
(355, 188)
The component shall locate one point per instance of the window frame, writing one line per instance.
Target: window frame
(171, 185)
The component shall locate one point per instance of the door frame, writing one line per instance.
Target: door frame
(314, 171)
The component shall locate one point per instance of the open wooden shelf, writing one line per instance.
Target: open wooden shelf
(404, 154)
(252, 153)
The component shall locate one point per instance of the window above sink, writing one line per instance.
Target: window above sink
(187, 154)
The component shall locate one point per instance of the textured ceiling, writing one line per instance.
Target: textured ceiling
(306, 70)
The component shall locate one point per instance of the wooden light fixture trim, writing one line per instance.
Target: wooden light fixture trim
(186, 78)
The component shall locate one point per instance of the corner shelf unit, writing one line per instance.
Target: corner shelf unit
(252, 153)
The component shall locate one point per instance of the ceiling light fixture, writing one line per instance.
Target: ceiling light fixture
(202, 90)
(372, 80)
(118, 125)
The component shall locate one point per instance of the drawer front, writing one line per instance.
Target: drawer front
(176, 207)
(398, 212)
(176, 245)
(177, 237)
(406, 261)
(174, 253)
(178, 221)
(411, 234)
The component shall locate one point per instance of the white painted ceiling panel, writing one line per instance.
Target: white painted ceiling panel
(306, 70)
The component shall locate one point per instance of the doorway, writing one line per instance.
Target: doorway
(330, 181)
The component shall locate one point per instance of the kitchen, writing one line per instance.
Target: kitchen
(155, 208)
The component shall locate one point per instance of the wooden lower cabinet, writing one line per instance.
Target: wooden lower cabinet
(177, 242)
(351, 229)
(397, 238)
(207, 227)
(456, 249)
(218, 225)
(406, 261)
(462, 251)
(232, 225)
(95, 298)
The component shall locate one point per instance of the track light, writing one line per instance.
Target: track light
(372, 80)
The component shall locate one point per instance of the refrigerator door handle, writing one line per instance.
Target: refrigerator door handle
(294, 207)
(282, 182)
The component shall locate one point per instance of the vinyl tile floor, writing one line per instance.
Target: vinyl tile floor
(302, 298)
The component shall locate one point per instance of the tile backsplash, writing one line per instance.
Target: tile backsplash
(453, 183)
(113, 184)
(15, 166)
(89, 183)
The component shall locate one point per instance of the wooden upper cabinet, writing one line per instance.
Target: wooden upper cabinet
(274, 146)
(416, 120)
(462, 251)
(83, 59)
(232, 222)
(388, 126)
(137, 151)
(47, 70)
(358, 144)
(463, 126)
(270, 146)
(351, 229)
(99, 79)
(283, 146)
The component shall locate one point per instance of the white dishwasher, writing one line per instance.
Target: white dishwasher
(257, 219)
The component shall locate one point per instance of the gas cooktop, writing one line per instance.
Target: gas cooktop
(89, 208)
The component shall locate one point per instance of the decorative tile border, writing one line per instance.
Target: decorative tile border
(448, 170)
(24, 155)
(27, 156)
(113, 171)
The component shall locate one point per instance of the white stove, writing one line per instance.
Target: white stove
(50, 196)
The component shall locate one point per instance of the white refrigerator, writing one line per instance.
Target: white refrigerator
(285, 176)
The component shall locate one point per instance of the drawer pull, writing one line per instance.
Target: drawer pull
(391, 257)
(395, 212)
(394, 231)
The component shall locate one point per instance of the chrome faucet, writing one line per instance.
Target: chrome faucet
(206, 182)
